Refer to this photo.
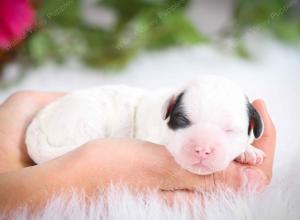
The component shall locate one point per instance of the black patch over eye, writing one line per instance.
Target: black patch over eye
(178, 118)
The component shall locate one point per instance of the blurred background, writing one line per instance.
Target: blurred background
(108, 35)
(71, 44)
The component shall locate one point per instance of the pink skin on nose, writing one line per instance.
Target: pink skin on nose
(205, 147)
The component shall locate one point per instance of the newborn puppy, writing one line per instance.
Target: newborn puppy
(205, 125)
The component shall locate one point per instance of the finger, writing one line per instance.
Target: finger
(44, 98)
(32, 99)
(24, 106)
(269, 128)
(268, 140)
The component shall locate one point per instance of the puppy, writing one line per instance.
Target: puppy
(205, 125)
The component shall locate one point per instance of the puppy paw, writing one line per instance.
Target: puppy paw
(252, 156)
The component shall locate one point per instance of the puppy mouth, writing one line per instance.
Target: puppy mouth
(200, 165)
(202, 168)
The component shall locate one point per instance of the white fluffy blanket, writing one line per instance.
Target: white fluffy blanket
(273, 74)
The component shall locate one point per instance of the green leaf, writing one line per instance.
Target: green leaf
(276, 16)
(173, 28)
(242, 51)
(40, 47)
(140, 24)
(65, 13)
(158, 29)
(288, 31)
(253, 12)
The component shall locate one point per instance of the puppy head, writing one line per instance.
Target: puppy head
(210, 122)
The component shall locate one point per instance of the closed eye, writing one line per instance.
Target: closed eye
(229, 130)
(233, 131)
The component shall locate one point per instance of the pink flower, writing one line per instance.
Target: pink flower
(16, 19)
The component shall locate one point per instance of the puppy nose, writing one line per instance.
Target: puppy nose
(203, 153)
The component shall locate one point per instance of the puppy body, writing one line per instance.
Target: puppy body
(205, 125)
(103, 112)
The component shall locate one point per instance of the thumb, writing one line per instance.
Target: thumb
(268, 140)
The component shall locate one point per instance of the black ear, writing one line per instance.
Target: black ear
(174, 110)
(255, 122)
(168, 106)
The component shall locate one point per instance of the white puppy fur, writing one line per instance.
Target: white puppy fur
(204, 125)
